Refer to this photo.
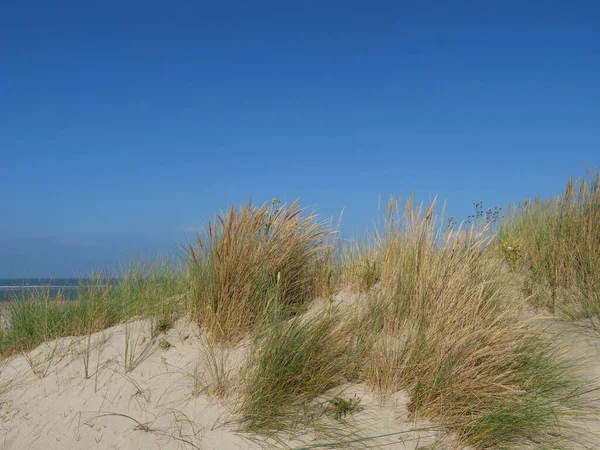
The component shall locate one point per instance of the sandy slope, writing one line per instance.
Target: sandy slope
(47, 403)
(581, 342)
(164, 401)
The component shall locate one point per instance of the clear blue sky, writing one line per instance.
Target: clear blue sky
(123, 124)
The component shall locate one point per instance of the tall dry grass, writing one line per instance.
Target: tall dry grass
(437, 315)
(252, 256)
(441, 322)
(445, 328)
(556, 244)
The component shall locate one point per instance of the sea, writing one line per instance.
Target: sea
(22, 288)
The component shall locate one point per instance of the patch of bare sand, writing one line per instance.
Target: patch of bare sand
(139, 394)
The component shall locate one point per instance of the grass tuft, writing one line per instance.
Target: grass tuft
(290, 364)
(152, 290)
(251, 256)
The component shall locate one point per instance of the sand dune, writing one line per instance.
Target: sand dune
(162, 402)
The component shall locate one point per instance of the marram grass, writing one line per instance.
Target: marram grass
(251, 256)
(153, 290)
(437, 314)
(555, 244)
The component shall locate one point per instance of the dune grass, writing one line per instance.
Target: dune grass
(441, 323)
(556, 245)
(362, 265)
(447, 330)
(290, 364)
(437, 314)
(251, 255)
(154, 290)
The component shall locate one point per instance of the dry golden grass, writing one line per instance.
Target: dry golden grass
(445, 328)
(251, 257)
(442, 323)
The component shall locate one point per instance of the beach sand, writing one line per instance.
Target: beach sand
(141, 393)
(48, 403)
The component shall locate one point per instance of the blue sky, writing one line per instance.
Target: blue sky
(123, 124)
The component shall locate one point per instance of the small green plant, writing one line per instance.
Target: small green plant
(512, 253)
(342, 406)
(165, 345)
(141, 393)
(161, 324)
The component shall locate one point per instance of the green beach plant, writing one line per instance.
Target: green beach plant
(290, 364)
(344, 406)
(164, 344)
(154, 290)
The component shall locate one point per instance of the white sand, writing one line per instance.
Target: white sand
(46, 402)
(152, 406)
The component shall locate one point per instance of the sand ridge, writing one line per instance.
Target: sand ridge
(161, 401)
